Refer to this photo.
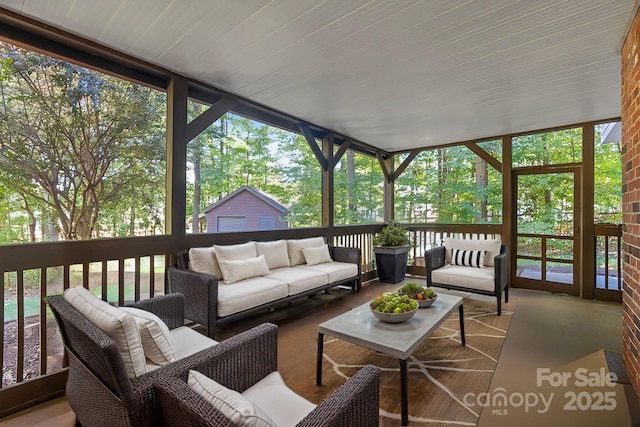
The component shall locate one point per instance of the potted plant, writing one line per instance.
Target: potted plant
(391, 246)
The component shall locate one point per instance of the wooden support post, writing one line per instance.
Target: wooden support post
(587, 218)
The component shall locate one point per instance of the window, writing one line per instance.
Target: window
(450, 185)
(266, 223)
(236, 153)
(358, 183)
(82, 153)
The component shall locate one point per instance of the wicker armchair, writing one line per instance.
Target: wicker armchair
(98, 388)
(354, 404)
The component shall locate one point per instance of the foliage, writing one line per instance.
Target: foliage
(391, 235)
(79, 148)
(416, 291)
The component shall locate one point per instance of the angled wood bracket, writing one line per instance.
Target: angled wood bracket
(311, 140)
(210, 115)
(484, 155)
(338, 154)
(390, 176)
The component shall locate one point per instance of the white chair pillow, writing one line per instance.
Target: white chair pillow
(275, 253)
(232, 404)
(492, 246)
(120, 326)
(468, 258)
(318, 255)
(235, 271)
(155, 336)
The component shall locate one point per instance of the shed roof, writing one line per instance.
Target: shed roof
(259, 194)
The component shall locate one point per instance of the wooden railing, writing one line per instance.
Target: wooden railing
(608, 256)
(426, 236)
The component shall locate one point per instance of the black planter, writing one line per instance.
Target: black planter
(391, 263)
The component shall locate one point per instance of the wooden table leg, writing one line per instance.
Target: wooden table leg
(319, 359)
(404, 398)
(461, 309)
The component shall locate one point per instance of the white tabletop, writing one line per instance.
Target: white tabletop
(359, 326)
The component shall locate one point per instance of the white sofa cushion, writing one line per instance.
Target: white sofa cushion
(236, 252)
(492, 246)
(275, 252)
(117, 324)
(204, 260)
(283, 405)
(295, 246)
(318, 255)
(249, 293)
(232, 404)
(236, 270)
(154, 335)
(468, 258)
(299, 279)
(335, 270)
(468, 277)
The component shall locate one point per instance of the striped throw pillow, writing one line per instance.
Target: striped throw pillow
(468, 258)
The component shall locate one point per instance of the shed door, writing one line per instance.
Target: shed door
(228, 224)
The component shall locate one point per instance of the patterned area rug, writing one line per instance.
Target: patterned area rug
(441, 372)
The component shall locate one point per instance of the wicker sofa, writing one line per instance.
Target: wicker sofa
(239, 368)
(224, 283)
(102, 392)
(472, 265)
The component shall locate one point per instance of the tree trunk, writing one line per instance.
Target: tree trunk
(351, 180)
(482, 180)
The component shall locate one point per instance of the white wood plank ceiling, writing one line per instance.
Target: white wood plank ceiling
(396, 74)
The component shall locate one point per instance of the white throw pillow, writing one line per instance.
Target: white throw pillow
(203, 260)
(117, 324)
(468, 258)
(155, 336)
(275, 253)
(295, 246)
(235, 271)
(492, 246)
(318, 255)
(232, 404)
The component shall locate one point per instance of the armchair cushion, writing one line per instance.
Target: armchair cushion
(283, 405)
(318, 255)
(155, 336)
(275, 253)
(474, 278)
(120, 326)
(186, 342)
(492, 246)
(232, 404)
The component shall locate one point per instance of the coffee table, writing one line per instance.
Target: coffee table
(399, 340)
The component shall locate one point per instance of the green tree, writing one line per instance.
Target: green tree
(77, 143)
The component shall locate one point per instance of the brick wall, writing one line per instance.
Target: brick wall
(630, 112)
